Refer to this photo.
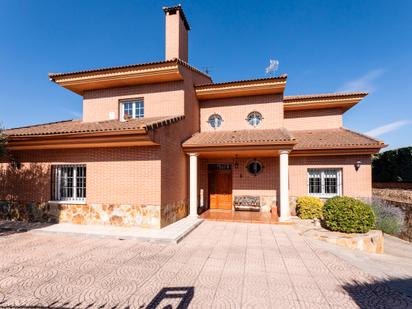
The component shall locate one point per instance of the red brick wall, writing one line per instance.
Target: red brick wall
(355, 183)
(164, 99)
(126, 175)
(234, 112)
(313, 119)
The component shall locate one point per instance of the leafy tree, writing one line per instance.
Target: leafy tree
(2, 143)
(393, 166)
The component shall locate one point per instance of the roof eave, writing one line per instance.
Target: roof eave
(75, 141)
(344, 101)
(235, 89)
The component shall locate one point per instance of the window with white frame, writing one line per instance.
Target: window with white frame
(69, 182)
(325, 182)
(131, 109)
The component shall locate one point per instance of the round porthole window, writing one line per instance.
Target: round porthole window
(254, 167)
(254, 118)
(215, 121)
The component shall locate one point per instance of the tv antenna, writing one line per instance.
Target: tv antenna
(272, 68)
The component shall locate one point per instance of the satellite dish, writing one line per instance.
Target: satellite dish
(272, 68)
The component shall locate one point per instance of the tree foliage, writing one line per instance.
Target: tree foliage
(2, 143)
(393, 166)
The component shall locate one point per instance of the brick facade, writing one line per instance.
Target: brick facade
(149, 185)
(234, 112)
(313, 119)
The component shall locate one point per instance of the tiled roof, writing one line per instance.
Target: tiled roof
(283, 76)
(52, 76)
(79, 127)
(333, 139)
(339, 138)
(323, 96)
(239, 137)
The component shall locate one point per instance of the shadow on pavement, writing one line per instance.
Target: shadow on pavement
(13, 227)
(389, 293)
(167, 298)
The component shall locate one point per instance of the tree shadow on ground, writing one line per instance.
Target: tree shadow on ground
(167, 298)
(24, 194)
(389, 293)
(14, 227)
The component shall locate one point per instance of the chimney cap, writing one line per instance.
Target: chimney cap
(173, 9)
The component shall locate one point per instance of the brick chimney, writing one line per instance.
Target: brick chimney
(177, 29)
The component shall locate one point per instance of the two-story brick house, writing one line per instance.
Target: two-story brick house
(159, 141)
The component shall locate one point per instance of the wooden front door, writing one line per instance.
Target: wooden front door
(220, 186)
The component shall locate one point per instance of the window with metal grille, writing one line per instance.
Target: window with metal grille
(131, 109)
(324, 182)
(69, 182)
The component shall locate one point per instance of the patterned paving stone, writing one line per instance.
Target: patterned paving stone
(218, 265)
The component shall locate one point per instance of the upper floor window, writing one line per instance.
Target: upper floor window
(69, 182)
(131, 109)
(324, 182)
(254, 118)
(215, 121)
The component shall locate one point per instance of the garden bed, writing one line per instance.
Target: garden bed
(371, 241)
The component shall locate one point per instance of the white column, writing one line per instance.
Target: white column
(193, 185)
(284, 186)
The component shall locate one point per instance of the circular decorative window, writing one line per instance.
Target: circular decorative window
(254, 118)
(254, 167)
(215, 121)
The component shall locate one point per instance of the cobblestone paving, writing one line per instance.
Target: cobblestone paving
(219, 265)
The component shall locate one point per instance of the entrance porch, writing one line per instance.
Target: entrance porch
(240, 186)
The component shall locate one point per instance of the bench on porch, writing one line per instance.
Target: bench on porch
(246, 202)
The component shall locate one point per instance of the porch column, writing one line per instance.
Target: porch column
(193, 185)
(284, 185)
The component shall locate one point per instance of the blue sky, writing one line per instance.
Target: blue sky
(324, 46)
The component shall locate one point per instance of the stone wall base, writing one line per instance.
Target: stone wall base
(173, 212)
(102, 214)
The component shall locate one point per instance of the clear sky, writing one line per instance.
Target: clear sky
(324, 46)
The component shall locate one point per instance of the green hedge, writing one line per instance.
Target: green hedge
(349, 215)
(309, 207)
(393, 166)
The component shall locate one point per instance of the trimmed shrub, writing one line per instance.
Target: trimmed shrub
(348, 215)
(389, 219)
(309, 207)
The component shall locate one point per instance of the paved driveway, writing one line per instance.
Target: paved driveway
(219, 265)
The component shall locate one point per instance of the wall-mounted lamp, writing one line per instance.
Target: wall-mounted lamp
(15, 164)
(235, 163)
(358, 165)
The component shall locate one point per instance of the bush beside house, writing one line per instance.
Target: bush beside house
(309, 207)
(389, 219)
(348, 215)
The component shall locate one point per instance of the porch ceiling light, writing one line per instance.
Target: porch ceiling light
(358, 165)
(235, 163)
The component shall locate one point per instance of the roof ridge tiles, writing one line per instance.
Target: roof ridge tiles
(283, 76)
(52, 76)
(42, 124)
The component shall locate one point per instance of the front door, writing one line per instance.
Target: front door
(220, 186)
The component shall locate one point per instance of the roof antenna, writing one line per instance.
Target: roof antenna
(207, 70)
(272, 68)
